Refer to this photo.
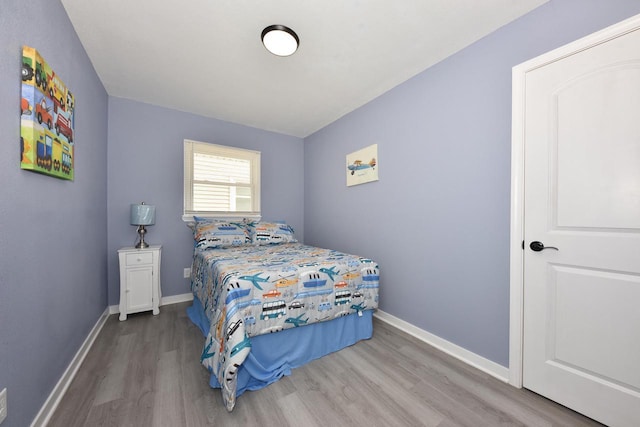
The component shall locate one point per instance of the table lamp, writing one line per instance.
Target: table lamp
(142, 215)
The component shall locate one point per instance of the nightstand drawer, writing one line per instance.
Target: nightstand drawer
(139, 258)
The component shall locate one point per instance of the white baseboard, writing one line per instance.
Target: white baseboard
(173, 299)
(462, 354)
(61, 387)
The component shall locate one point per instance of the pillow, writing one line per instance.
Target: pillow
(269, 233)
(217, 234)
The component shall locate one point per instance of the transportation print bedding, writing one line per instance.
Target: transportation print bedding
(248, 290)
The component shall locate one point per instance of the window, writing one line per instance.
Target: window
(221, 181)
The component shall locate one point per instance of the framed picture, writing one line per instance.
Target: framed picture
(362, 166)
(46, 119)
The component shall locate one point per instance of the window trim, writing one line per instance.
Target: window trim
(189, 148)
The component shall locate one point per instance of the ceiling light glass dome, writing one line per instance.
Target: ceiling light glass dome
(280, 40)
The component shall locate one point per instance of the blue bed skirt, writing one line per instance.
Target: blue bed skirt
(274, 355)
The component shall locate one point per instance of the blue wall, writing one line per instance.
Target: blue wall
(53, 233)
(146, 164)
(437, 221)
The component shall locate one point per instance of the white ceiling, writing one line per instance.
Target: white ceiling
(206, 57)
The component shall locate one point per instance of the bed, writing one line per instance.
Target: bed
(266, 303)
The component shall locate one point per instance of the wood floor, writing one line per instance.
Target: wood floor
(146, 372)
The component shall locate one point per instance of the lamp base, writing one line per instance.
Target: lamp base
(141, 232)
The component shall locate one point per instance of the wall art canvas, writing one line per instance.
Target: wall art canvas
(362, 165)
(46, 113)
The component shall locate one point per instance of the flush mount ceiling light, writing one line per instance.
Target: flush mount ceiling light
(280, 40)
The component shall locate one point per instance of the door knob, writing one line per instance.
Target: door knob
(539, 246)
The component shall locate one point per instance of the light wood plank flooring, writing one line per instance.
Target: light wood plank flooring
(146, 372)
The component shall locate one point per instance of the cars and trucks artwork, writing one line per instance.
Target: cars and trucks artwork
(47, 119)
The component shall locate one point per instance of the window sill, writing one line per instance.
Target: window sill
(222, 216)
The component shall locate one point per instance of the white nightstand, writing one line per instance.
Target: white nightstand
(139, 280)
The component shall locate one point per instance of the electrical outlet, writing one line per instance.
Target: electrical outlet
(187, 273)
(3, 405)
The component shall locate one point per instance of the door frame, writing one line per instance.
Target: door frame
(516, 244)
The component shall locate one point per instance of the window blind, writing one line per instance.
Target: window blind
(221, 179)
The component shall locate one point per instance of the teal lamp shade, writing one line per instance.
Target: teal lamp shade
(142, 215)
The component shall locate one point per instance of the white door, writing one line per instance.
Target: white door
(581, 308)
